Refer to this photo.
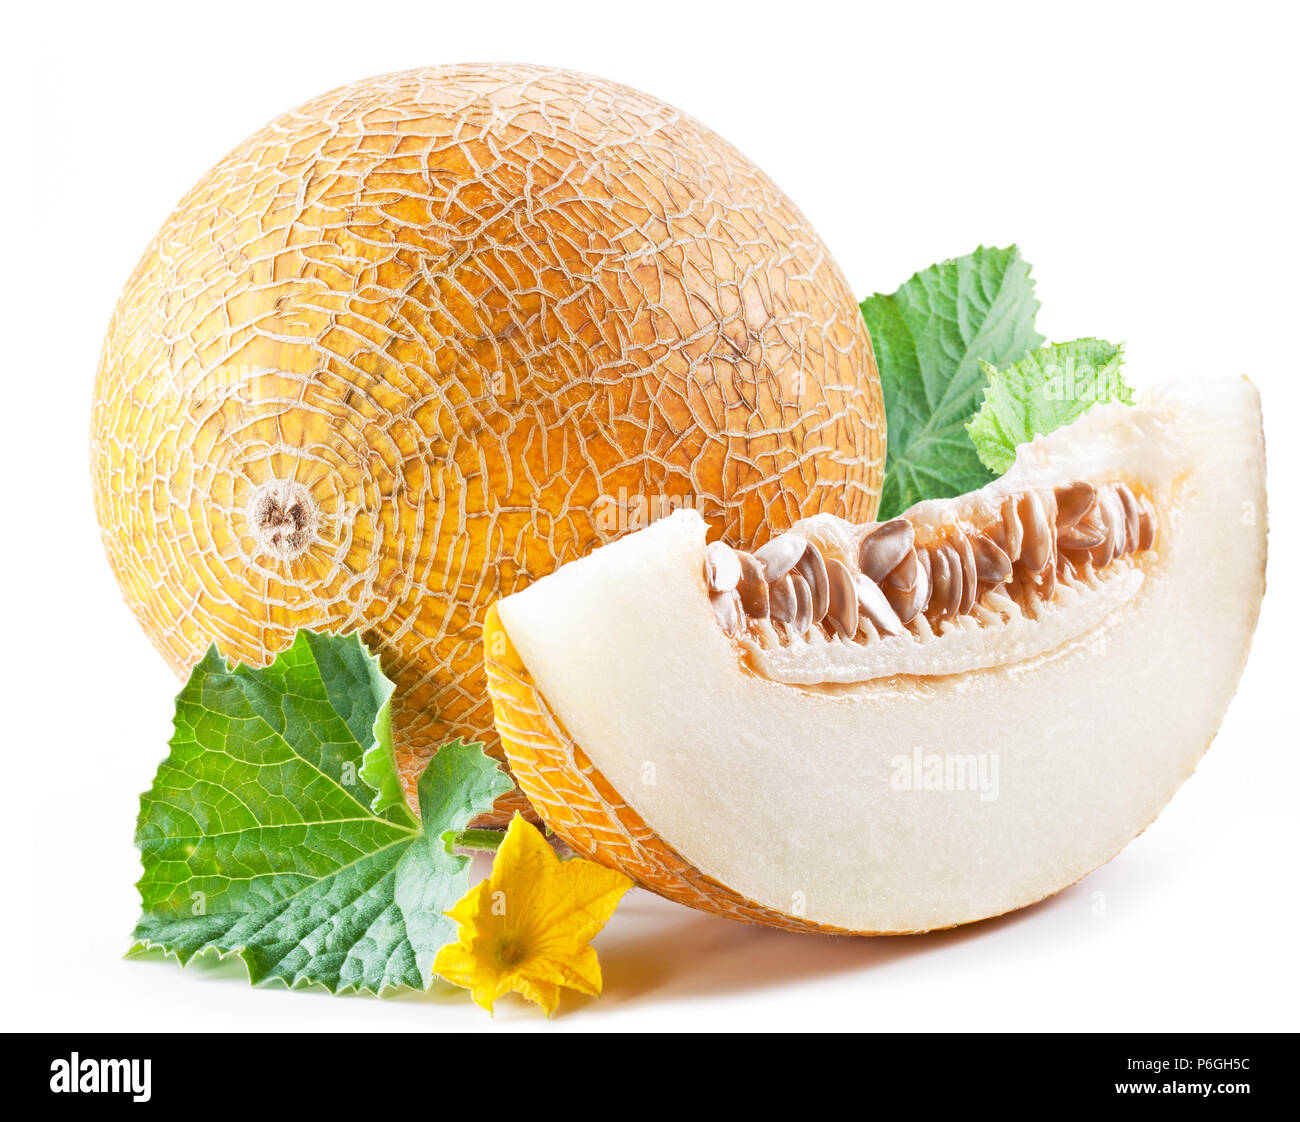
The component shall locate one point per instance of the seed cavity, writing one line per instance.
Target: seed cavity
(924, 577)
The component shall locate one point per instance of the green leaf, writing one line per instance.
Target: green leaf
(275, 829)
(1050, 388)
(930, 337)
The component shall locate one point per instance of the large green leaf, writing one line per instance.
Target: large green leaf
(276, 828)
(930, 337)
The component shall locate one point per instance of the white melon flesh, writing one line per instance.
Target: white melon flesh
(805, 799)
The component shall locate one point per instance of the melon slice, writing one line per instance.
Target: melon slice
(908, 726)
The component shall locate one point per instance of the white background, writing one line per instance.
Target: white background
(1144, 158)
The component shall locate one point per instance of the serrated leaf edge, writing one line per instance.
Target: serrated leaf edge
(381, 731)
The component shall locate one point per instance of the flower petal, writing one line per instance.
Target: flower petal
(545, 909)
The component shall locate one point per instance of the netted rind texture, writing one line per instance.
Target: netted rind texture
(452, 328)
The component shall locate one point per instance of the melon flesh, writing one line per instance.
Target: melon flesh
(808, 800)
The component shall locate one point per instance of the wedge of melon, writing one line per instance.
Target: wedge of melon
(950, 755)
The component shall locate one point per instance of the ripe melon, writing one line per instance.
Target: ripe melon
(428, 336)
(907, 726)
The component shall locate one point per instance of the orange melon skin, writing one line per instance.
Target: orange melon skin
(577, 802)
(467, 310)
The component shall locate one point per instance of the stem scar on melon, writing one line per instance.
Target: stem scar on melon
(283, 517)
(428, 336)
(898, 727)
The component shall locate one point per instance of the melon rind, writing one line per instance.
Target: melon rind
(580, 805)
(773, 803)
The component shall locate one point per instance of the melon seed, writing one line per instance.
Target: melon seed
(907, 587)
(945, 570)
(812, 567)
(969, 581)
(842, 597)
(782, 599)
(752, 587)
(1146, 524)
(873, 603)
(1132, 517)
(1036, 551)
(780, 555)
(726, 607)
(803, 604)
(1013, 534)
(992, 566)
(885, 547)
(1084, 534)
(1073, 501)
(722, 566)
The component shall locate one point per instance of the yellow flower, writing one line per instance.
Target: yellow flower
(527, 927)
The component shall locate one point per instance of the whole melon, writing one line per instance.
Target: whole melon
(432, 335)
